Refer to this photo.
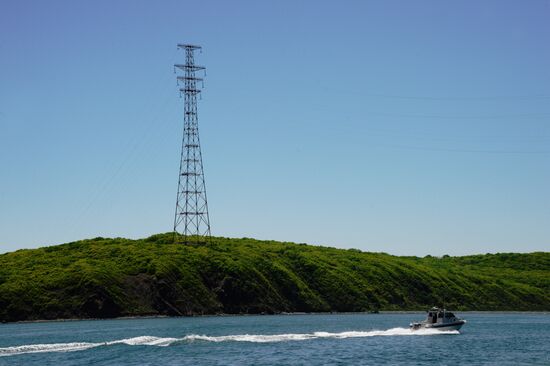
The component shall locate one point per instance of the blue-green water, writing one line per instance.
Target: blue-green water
(340, 339)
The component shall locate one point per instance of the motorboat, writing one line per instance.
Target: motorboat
(439, 319)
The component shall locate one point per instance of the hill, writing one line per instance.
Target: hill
(104, 278)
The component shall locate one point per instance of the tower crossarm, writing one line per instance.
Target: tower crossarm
(189, 46)
(188, 67)
(189, 78)
(190, 90)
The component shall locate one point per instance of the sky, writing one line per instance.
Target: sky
(410, 128)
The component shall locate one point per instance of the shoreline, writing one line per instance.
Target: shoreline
(386, 312)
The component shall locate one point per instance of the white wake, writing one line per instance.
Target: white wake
(306, 336)
(79, 346)
(254, 338)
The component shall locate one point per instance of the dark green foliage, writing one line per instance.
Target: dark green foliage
(104, 278)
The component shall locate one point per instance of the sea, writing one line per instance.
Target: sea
(294, 339)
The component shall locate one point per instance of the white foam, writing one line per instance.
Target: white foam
(146, 341)
(389, 332)
(253, 338)
(53, 347)
(308, 336)
(71, 347)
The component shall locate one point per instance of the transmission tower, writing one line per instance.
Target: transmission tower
(191, 219)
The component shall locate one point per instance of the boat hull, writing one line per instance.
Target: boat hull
(448, 326)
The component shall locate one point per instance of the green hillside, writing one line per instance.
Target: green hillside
(102, 278)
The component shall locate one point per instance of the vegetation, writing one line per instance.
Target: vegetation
(103, 278)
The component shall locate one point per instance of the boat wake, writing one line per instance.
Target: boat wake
(306, 336)
(80, 346)
(259, 338)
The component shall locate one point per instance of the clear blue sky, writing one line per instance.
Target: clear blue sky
(406, 127)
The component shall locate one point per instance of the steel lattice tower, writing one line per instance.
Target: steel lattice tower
(191, 219)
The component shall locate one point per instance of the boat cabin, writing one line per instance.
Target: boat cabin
(436, 315)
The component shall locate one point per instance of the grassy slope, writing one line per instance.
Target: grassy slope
(121, 277)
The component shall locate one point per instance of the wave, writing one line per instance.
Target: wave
(258, 338)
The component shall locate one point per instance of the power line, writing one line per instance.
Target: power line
(528, 152)
(472, 116)
(461, 98)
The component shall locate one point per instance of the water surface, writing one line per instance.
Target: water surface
(338, 339)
